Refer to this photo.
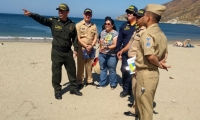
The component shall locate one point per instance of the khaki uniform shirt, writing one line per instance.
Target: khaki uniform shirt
(153, 42)
(134, 42)
(86, 32)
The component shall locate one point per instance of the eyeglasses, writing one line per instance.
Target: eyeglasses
(129, 12)
(87, 14)
(107, 24)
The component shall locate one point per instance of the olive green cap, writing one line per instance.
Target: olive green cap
(63, 6)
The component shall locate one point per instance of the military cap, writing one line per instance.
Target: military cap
(140, 13)
(132, 8)
(156, 8)
(88, 10)
(63, 6)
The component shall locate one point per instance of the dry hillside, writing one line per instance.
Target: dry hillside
(180, 11)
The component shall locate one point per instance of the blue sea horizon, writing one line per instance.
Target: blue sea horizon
(19, 27)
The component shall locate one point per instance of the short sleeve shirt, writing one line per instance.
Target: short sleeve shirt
(153, 42)
(86, 32)
(134, 42)
(107, 40)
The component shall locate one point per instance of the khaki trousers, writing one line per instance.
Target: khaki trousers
(147, 79)
(134, 108)
(81, 64)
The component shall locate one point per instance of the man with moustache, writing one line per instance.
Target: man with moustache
(150, 54)
(64, 35)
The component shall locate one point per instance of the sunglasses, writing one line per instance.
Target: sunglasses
(129, 12)
(107, 24)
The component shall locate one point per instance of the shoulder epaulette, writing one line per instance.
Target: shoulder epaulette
(70, 21)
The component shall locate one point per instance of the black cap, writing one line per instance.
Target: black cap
(88, 10)
(140, 13)
(132, 8)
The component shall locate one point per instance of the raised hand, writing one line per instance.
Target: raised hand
(26, 12)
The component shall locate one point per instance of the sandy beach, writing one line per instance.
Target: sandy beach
(26, 92)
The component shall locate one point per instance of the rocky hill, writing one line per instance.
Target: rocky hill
(180, 12)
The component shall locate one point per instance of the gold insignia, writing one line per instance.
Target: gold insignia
(71, 28)
(127, 28)
(58, 27)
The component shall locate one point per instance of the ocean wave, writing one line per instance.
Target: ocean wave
(24, 38)
(46, 29)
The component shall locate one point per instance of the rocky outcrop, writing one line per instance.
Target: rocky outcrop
(180, 12)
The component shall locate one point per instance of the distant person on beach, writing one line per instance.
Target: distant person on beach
(125, 32)
(152, 49)
(186, 43)
(107, 55)
(64, 35)
(132, 47)
(87, 37)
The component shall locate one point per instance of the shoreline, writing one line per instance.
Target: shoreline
(170, 41)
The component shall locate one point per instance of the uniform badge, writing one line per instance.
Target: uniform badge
(58, 27)
(71, 28)
(82, 29)
(127, 28)
(148, 44)
(138, 35)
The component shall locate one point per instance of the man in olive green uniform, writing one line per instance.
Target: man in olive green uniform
(87, 37)
(153, 46)
(131, 47)
(64, 35)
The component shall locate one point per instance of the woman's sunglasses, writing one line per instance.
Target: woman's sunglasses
(107, 24)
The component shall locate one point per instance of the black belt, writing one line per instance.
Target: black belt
(61, 49)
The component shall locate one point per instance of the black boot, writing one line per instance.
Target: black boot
(58, 95)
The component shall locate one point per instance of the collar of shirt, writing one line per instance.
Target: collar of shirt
(86, 24)
(153, 25)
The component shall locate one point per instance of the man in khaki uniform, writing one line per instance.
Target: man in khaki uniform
(87, 36)
(131, 47)
(153, 46)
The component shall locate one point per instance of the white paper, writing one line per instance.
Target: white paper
(131, 65)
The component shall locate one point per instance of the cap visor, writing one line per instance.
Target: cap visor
(139, 15)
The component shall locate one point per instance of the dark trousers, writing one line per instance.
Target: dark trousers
(126, 77)
(63, 58)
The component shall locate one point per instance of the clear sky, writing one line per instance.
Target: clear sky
(101, 8)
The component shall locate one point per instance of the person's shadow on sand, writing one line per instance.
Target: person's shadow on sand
(66, 89)
(96, 78)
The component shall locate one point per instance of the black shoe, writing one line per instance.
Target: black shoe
(123, 94)
(76, 92)
(130, 114)
(58, 96)
(90, 84)
(130, 105)
(113, 87)
(80, 86)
